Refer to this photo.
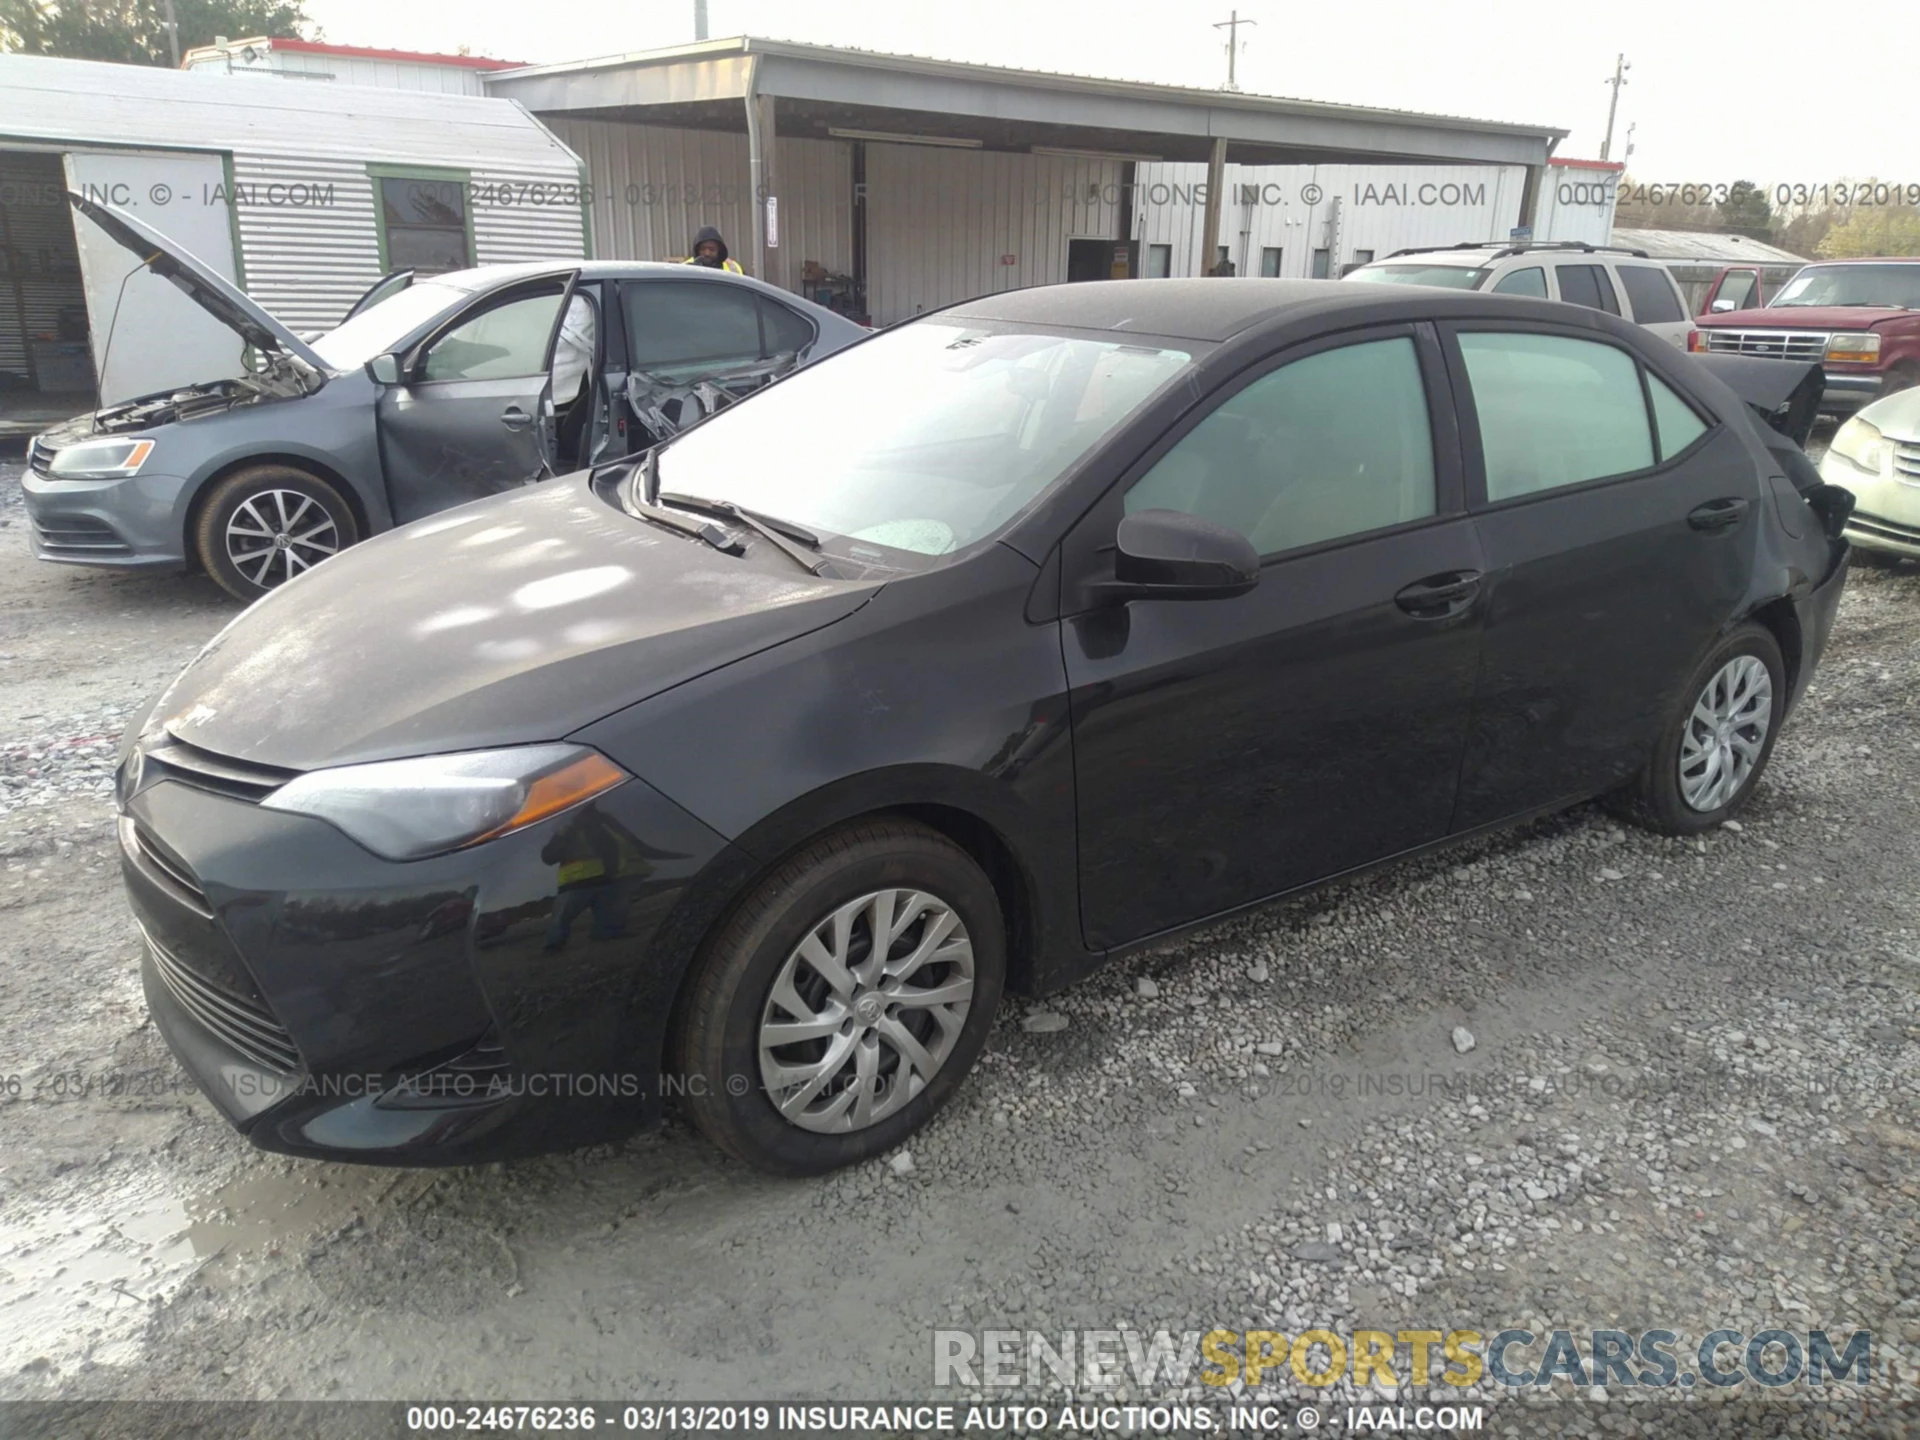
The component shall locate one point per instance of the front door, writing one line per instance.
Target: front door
(1619, 524)
(472, 413)
(1227, 750)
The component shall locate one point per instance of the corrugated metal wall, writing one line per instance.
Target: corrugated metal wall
(1577, 204)
(349, 70)
(940, 222)
(1298, 209)
(654, 185)
(39, 255)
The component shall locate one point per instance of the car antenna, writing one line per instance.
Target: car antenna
(106, 350)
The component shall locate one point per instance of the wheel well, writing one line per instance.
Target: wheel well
(293, 462)
(1779, 617)
(990, 851)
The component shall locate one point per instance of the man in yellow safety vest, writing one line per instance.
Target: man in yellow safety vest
(711, 251)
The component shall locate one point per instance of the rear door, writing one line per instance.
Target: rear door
(1619, 521)
(1654, 300)
(471, 414)
(1586, 284)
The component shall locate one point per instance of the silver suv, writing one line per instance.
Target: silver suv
(1619, 281)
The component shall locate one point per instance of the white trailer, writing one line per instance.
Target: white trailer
(303, 194)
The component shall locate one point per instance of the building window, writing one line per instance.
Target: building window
(424, 223)
(1159, 261)
(1270, 260)
(1322, 264)
(1363, 257)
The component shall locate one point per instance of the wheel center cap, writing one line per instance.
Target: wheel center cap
(280, 542)
(867, 1008)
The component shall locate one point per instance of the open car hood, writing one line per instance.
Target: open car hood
(212, 292)
(1783, 393)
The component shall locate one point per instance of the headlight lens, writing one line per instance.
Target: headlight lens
(1861, 347)
(410, 809)
(101, 459)
(1861, 442)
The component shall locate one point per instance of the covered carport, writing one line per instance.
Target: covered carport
(911, 183)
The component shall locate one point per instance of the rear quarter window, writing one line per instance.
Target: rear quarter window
(1650, 293)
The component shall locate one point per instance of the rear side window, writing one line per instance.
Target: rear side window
(1554, 411)
(1586, 285)
(1334, 444)
(1530, 281)
(674, 323)
(1679, 427)
(1650, 293)
(785, 332)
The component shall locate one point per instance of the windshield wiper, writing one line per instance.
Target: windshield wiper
(781, 534)
(720, 538)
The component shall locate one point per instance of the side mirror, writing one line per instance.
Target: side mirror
(1171, 555)
(384, 369)
(1721, 307)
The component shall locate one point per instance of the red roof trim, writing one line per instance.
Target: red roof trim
(1556, 160)
(418, 57)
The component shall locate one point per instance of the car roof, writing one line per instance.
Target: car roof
(1211, 309)
(1449, 256)
(485, 277)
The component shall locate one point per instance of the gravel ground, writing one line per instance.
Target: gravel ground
(1574, 1076)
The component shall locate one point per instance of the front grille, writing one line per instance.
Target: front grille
(80, 535)
(1906, 459)
(164, 869)
(1772, 344)
(1873, 525)
(243, 1025)
(39, 457)
(175, 759)
(474, 1077)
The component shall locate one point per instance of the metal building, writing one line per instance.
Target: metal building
(303, 193)
(893, 184)
(347, 64)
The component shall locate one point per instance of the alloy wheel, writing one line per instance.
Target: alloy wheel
(1726, 733)
(865, 1010)
(274, 535)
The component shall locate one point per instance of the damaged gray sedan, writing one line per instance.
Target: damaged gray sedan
(432, 392)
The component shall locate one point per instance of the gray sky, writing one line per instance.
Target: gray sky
(1720, 91)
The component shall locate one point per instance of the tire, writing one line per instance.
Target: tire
(261, 526)
(820, 901)
(1694, 779)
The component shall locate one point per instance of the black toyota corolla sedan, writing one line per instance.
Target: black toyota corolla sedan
(749, 776)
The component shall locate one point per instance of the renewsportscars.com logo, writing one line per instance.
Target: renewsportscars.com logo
(1460, 1358)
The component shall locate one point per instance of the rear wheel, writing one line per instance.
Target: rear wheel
(262, 526)
(845, 1001)
(1709, 756)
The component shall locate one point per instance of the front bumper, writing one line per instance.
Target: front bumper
(448, 1011)
(1847, 393)
(1815, 611)
(136, 523)
(1886, 512)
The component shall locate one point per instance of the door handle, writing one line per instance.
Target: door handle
(1439, 596)
(1721, 514)
(514, 418)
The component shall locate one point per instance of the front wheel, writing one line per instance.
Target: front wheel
(1709, 756)
(262, 526)
(845, 1000)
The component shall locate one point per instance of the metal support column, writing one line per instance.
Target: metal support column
(1216, 194)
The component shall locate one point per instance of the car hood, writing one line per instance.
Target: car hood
(1802, 317)
(1896, 415)
(508, 621)
(207, 288)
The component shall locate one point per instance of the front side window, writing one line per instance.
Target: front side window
(506, 342)
(1530, 281)
(1651, 294)
(955, 429)
(1586, 285)
(424, 223)
(1554, 411)
(1331, 445)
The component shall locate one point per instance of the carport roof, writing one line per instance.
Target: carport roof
(817, 88)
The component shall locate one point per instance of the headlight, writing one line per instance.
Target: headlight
(1858, 346)
(1861, 442)
(409, 809)
(101, 459)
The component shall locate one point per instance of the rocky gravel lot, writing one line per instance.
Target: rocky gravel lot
(1571, 1077)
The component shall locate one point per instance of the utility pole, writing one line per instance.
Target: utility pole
(173, 35)
(1620, 67)
(1232, 26)
(699, 19)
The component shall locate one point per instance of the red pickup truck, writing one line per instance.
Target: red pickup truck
(1860, 319)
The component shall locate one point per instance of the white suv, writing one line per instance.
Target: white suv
(1601, 277)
